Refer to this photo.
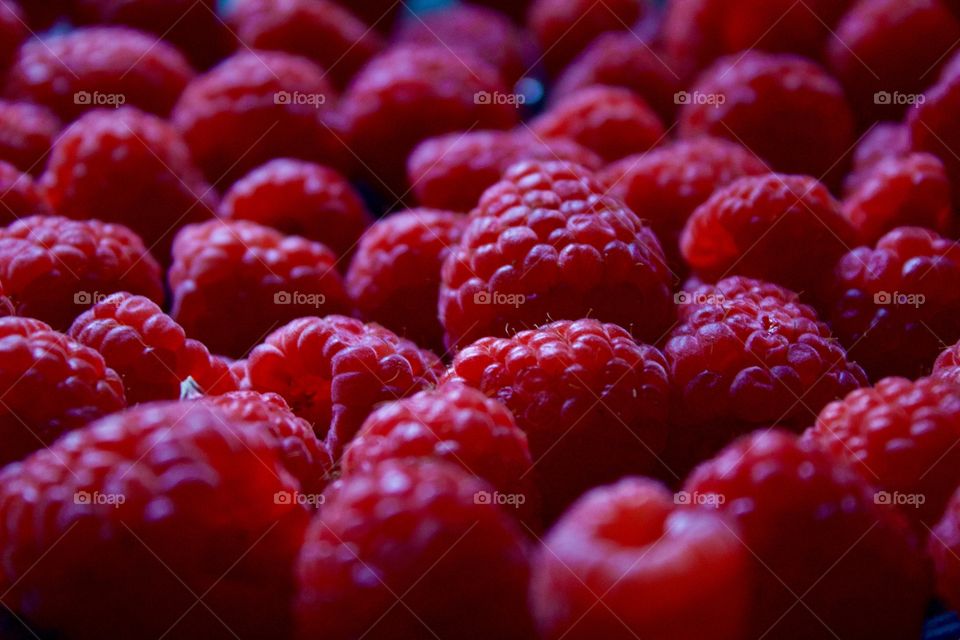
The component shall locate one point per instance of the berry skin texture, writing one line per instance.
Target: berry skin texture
(416, 531)
(394, 279)
(785, 229)
(99, 67)
(943, 547)
(334, 370)
(625, 562)
(53, 268)
(784, 108)
(148, 349)
(127, 488)
(27, 131)
(233, 282)
(452, 171)
(546, 243)
(19, 195)
(895, 305)
(300, 198)
(610, 121)
(52, 385)
(816, 531)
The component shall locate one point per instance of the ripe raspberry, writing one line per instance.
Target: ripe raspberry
(27, 131)
(747, 354)
(300, 198)
(932, 124)
(414, 531)
(129, 167)
(127, 488)
(13, 31)
(19, 195)
(52, 385)
(97, 67)
(884, 141)
(943, 547)
(256, 106)
(333, 371)
(395, 277)
(784, 108)
(320, 30)
(545, 243)
(53, 268)
(785, 229)
(411, 93)
(666, 185)
(452, 171)
(616, 564)
(234, 282)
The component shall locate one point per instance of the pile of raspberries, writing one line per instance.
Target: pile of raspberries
(502, 320)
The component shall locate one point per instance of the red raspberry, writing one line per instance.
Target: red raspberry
(452, 171)
(592, 401)
(129, 167)
(748, 354)
(334, 370)
(624, 562)
(817, 534)
(300, 198)
(27, 131)
(890, 49)
(886, 140)
(234, 282)
(944, 547)
(323, 31)
(256, 106)
(784, 108)
(148, 349)
(19, 195)
(896, 305)
(545, 243)
(395, 277)
(13, 31)
(52, 385)
(97, 67)
(932, 125)
(116, 499)
(785, 229)
(666, 185)
(411, 93)
(411, 532)
(53, 268)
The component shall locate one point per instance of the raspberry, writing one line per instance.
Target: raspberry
(943, 547)
(126, 488)
(616, 564)
(256, 106)
(333, 371)
(884, 141)
(896, 192)
(784, 108)
(452, 171)
(300, 198)
(234, 282)
(52, 385)
(53, 268)
(19, 195)
(896, 305)
(785, 229)
(395, 277)
(666, 185)
(27, 131)
(610, 121)
(148, 349)
(545, 243)
(592, 401)
(412, 532)
(932, 123)
(97, 67)
(748, 354)
(129, 167)
(13, 31)
(320, 30)
(814, 527)
(411, 93)
(884, 49)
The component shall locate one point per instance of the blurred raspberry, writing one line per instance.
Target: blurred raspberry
(300, 198)
(943, 548)
(127, 488)
(27, 132)
(97, 68)
(544, 244)
(933, 124)
(234, 282)
(420, 530)
(13, 31)
(886, 140)
(394, 278)
(452, 171)
(54, 269)
(19, 195)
